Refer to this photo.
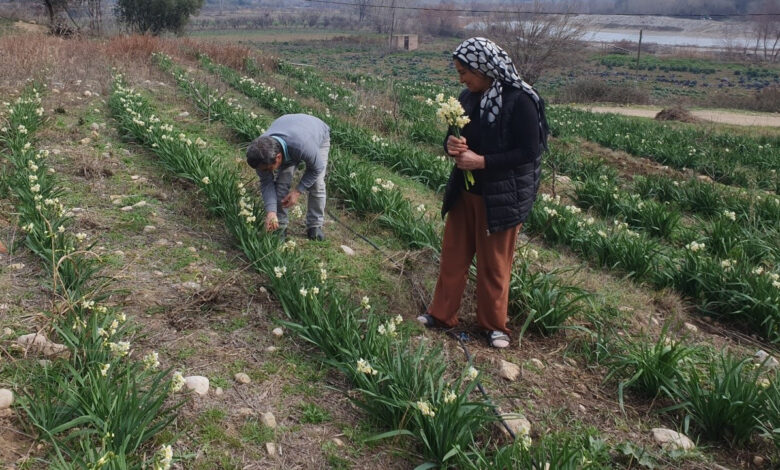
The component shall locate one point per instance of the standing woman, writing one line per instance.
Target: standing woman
(502, 147)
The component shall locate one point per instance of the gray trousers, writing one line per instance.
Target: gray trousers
(315, 212)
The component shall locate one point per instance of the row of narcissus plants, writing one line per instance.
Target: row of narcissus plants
(736, 290)
(718, 395)
(97, 404)
(402, 383)
(726, 236)
(726, 157)
(541, 298)
(701, 198)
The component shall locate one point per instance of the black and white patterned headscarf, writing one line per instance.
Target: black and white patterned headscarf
(486, 56)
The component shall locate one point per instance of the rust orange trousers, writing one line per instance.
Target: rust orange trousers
(465, 234)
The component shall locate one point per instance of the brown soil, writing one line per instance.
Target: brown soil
(719, 116)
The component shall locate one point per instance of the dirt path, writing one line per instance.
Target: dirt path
(723, 117)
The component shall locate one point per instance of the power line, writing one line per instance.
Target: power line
(471, 10)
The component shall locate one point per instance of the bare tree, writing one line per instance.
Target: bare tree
(537, 39)
(766, 31)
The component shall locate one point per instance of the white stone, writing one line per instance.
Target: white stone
(519, 425)
(269, 420)
(7, 331)
(127, 208)
(673, 439)
(126, 152)
(245, 411)
(563, 179)
(537, 363)
(6, 398)
(184, 114)
(271, 349)
(219, 392)
(37, 342)
(338, 442)
(278, 332)
(347, 250)
(190, 285)
(270, 447)
(508, 370)
(761, 356)
(197, 383)
(149, 228)
(140, 204)
(242, 378)
(758, 461)
(161, 242)
(94, 126)
(690, 327)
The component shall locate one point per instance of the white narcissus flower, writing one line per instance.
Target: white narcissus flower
(365, 368)
(151, 361)
(177, 382)
(206, 180)
(425, 408)
(472, 373)
(163, 458)
(104, 369)
(364, 302)
(279, 271)
(450, 397)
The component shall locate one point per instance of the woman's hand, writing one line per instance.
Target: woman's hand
(456, 145)
(468, 160)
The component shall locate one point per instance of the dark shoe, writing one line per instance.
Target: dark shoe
(427, 320)
(315, 233)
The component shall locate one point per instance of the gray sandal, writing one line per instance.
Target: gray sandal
(498, 339)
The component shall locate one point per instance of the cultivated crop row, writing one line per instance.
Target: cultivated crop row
(96, 403)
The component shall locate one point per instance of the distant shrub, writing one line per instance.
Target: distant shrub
(588, 90)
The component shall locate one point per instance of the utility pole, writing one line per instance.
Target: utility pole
(392, 24)
(638, 51)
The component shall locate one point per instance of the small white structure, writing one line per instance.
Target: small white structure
(407, 42)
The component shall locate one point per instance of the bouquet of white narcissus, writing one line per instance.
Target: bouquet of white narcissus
(451, 113)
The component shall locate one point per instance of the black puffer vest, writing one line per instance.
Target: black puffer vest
(508, 194)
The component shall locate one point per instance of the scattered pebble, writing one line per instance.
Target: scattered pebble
(197, 384)
(245, 411)
(127, 208)
(278, 332)
(269, 420)
(149, 228)
(37, 342)
(85, 141)
(763, 357)
(271, 349)
(517, 423)
(161, 242)
(184, 114)
(190, 285)
(338, 442)
(219, 392)
(758, 461)
(6, 398)
(7, 331)
(675, 440)
(349, 251)
(537, 363)
(508, 370)
(140, 204)
(126, 152)
(94, 126)
(270, 447)
(690, 327)
(192, 249)
(242, 378)
(87, 93)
